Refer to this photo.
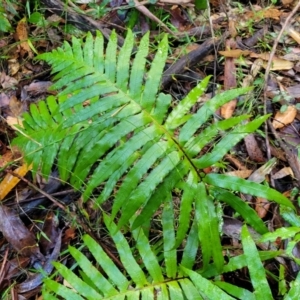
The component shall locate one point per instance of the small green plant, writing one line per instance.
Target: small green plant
(98, 10)
(6, 11)
(113, 136)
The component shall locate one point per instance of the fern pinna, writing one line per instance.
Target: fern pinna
(113, 136)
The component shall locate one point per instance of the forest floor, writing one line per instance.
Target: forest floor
(255, 43)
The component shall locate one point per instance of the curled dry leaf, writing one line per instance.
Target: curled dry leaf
(20, 238)
(240, 173)
(286, 171)
(279, 64)
(51, 231)
(253, 148)
(285, 118)
(12, 121)
(294, 34)
(262, 206)
(13, 66)
(16, 106)
(235, 53)
(7, 82)
(260, 174)
(268, 13)
(22, 35)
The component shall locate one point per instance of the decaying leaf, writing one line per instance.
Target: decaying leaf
(285, 118)
(280, 64)
(260, 174)
(13, 66)
(20, 238)
(270, 13)
(240, 173)
(286, 171)
(262, 206)
(253, 148)
(16, 106)
(294, 34)
(9, 156)
(50, 233)
(227, 109)
(36, 279)
(235, 53)
(4, 100)
(7, 82)
(10, 181)
(22, 35)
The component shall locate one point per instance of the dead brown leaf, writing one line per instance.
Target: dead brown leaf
(253, 149)
(280, 64)
(37, 278)
(4, 100)
(12, 121)
(240, 173)
(229, 82)
(13, 66)
(15, 232)
(10, 181)
(285, 118)
(286, 171)
(7, 82)
(235, 53)
(262, 206)
(264, 55)
(22, 35)
(9, 156)
(268, 13)
(50, 229)
(294, 34)
(16, 106)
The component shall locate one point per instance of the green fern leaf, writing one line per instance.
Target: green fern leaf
(208, 289)
(240, 206)
(247, 187)
(145, 280)
(113, 135)
(235, 291)
(256, 269)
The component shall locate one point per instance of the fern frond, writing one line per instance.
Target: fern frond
(112, 134)
(136, 281)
